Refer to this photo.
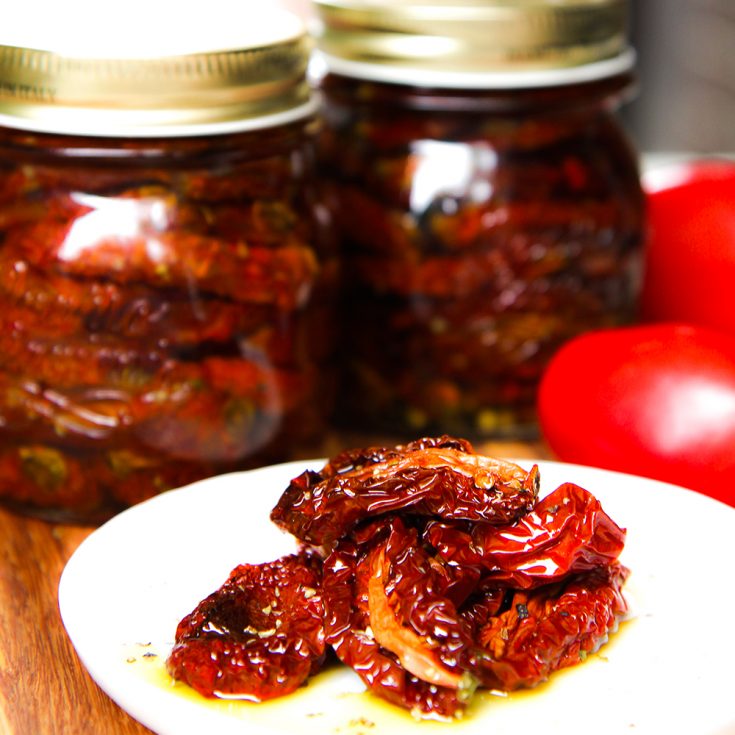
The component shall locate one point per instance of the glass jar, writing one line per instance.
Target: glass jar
(165, 270)
(487, 198)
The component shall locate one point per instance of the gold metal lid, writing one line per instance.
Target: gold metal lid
(475, 42)
(152, 68)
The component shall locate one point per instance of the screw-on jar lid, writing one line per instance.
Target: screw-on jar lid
(475, 43)
(151, 67)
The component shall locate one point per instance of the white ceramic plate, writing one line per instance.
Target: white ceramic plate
(667, 670)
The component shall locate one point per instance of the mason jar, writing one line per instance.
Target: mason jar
(165, 262)
(487, 199)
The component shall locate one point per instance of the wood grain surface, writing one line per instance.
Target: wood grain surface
(44, 689)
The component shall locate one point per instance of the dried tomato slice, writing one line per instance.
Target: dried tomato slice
(350, 459)
(281, 275)
(425, 592)
(45, 477)
(441, 481)
(257, 637)
(53, 306)
(549, 628)
(567, 531)
(217, 410)
(387, 616)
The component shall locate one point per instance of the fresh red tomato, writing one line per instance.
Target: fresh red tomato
(653, 400)
(689, 265)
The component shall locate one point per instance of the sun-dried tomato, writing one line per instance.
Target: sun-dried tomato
(549, 628)
(280, 275)
(566, 532)
(426, 479)
(427, 597)
(216, 410)
(49, 305)
(81, 481)
(162, 299)
(350, 459)
(259, 636)
(387, 616)
(481, 228)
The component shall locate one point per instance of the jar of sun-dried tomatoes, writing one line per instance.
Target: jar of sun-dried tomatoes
(487, 198)
(165, 265)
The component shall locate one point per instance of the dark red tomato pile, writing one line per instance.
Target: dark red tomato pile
(658, 399)
(428, 569)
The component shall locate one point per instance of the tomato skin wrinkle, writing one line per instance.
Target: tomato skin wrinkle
(430, 478)
(426, 595)
(409, 598)
(653, 400)
(259, 636)
(567, 532)
(550, 628)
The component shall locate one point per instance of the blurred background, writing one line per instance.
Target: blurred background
(685, 101)
(686, 70)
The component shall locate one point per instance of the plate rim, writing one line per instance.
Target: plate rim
(161, 501)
